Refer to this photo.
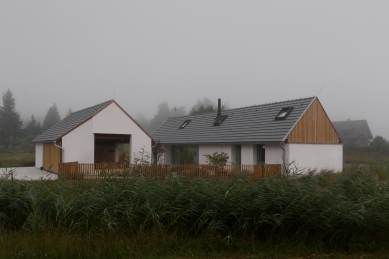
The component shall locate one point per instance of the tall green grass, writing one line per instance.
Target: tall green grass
(348, 211)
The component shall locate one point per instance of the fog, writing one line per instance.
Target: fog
(141, 53)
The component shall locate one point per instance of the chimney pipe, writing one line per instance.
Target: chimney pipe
(219, 107)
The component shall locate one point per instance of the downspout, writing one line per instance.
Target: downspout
(63, 150)
(152, 152)
(283, 158)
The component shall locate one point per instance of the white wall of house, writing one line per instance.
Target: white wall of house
(315, 156)
(79, 144)
(113, 120)
(210, 149)
(38, 155)
(273, 154)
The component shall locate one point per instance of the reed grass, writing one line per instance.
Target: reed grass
(347, 212)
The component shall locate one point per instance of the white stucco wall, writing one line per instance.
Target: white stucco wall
(273, 154)
(210, 149)
(79, 144)
(112, 120)
(315, 156)
(38, 154)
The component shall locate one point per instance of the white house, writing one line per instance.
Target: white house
(297, 131)
(91, 135)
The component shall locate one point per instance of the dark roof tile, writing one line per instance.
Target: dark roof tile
(69, 123)
(254, 124)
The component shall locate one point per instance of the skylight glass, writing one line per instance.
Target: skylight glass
(284, 113)
(183, 125)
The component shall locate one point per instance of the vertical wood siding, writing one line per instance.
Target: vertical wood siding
(314, 127)
(104, 154)
(51, 156)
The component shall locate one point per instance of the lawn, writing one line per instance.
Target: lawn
(17, 159)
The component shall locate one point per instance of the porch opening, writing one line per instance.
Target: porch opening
(112, 148)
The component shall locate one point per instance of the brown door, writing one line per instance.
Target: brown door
(51, 157)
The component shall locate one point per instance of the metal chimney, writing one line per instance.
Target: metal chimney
(219, 108)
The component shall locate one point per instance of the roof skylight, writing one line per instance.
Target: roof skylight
(219, 120)
(183, 125)
(284, 113)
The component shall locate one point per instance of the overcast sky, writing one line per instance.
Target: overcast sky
(80, 53)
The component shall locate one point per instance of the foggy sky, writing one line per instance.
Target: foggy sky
(81, 53)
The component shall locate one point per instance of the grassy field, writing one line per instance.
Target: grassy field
(17, 159)
(350, 158)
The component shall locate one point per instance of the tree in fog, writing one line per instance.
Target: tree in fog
(33, 127)
(10, 123)
(142, 121)
(69, 112)
(204, 106)
(379, 144)
(164, 112)
(52, 117)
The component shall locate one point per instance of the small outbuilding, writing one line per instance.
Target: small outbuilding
(91, 135)
(296, 131)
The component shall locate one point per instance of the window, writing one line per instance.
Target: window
(260, 154)
(238, 154)
(284, 113)
(219, 120)
(184, 124)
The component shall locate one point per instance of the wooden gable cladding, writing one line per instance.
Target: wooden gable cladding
(51, 157)
(314, 127)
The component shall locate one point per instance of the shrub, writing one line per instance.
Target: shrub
(217, 158)
(186, 156)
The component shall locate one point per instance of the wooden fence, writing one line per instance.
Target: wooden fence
(75, 170)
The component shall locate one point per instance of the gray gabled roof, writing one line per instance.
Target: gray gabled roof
(352, 129)
(254, 124)
(69, 123)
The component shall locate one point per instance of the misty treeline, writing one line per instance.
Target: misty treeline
(378, 145)
(164, 112)
(16, 135)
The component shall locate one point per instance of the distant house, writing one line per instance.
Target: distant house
(296, 131)
(356, 131)
(91, 135)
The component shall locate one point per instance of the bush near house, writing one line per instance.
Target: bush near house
(217, 158)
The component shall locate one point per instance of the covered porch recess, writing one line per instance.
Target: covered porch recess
(112, 148)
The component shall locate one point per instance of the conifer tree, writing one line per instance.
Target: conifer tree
(52, 117)
(10, 123)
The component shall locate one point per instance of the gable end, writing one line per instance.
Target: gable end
(314, 127)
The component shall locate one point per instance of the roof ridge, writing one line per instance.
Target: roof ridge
(92, 106)
(263, 104)
(232, 109)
